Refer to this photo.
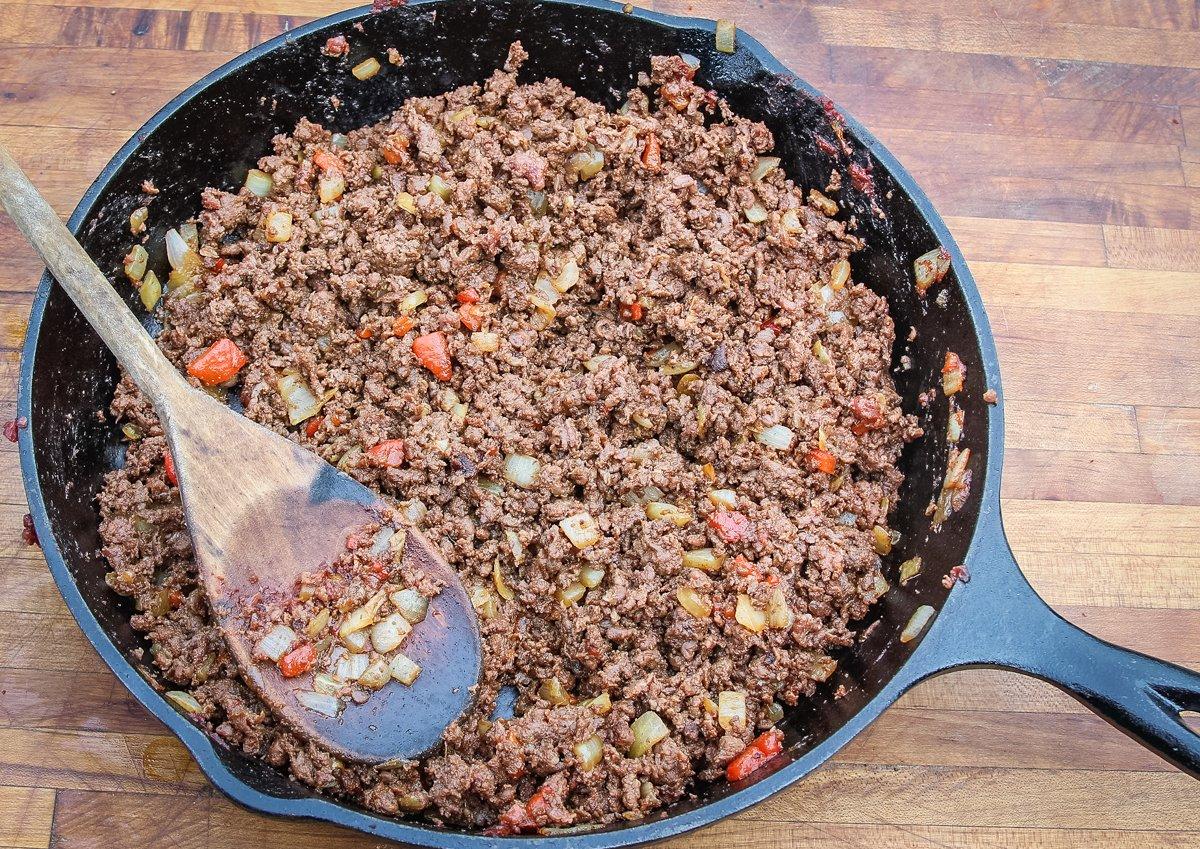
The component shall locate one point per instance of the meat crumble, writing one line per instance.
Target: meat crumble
(613, 364)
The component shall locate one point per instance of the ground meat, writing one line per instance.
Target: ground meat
(479, 290)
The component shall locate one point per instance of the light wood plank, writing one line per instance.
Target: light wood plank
(25, 817)
(1169, 430)
(1068, 426)
(1150, 250)
(1034, 39)
(1101, 476)
(1110, 290)
(1043, 242)
(91, 760)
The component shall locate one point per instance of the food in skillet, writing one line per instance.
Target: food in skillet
(613, 364)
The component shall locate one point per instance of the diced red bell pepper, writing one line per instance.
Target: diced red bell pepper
(380, 571)
(632, 312)
(314, 424)
(169, 468)
(652, 152)
(390, 452)
(394, 148)
(298, 661)
(953, 373)
(752, 758)
(326, 161)
(820, 460)
(471, 316)
(731, 526)
(364, 333)
(467, 296)
(218, 363)
(540, 804)
(867, 415)
(402, 325)
(514, 820)
(433, 351)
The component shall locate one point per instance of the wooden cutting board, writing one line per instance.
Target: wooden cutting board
(1061, 139)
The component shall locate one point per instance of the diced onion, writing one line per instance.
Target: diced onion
(749, 616)
(132, 432)
(514, 545)
(177, 248)
(366, 69)
(693, 602)
(909, 569)
(186, 702)
(774, 712)
(328, 684)
(703, 559)
(364, 616)
(647, 729)
(537, 204)
(779, 614)
(485, 342)
(339, 141)
(351, 665)
(356, 641)
(756, 213)
(300, 401)
(826, 204)
(954, 424)
(764, 166)
(413, 300)
(317, 625)
(135, 263)
(404, 669)
(726, 498)
(191, 234)
(504, 590)
(930, 268)
(917, 623)
(581, 530)
(407, 202)
(776, 436)
(726, 36)
(544, 314)
(330, 187)
(600, 704)
(410, 604)
(439, 187)
(731, 709)
(320, 702)
(881, 541)
(543, 287)
(571, 594)
(568, 276)
(822, 668)
(790, 222)
(589, 752)
(484, 602)
(663, 510)
(414, 510)
(837, 317)
(587, 164)
(521, 469)
(839, 275)
(137, 220)
(375, 675)
(591, 576)
(276, 642)
(259, 182)
(593, 364)
(551, 690)
(278, 227)
(389, 632)
(881, 586)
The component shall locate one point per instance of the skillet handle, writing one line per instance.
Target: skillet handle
(999, 621)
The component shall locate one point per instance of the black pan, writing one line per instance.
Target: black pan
(212, 132)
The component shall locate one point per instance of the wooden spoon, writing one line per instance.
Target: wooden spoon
(262, 510)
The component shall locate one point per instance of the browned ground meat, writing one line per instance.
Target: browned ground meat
(667, 256)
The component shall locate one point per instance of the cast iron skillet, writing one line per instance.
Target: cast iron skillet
(212, 132)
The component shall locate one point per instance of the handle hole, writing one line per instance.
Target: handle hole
(1191, 718)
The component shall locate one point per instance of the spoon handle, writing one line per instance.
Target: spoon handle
(88, 287)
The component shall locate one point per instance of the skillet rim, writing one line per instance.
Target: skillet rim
(924, 660)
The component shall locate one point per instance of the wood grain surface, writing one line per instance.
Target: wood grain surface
(1060, 138)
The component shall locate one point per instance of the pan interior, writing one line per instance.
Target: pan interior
(213, 137)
